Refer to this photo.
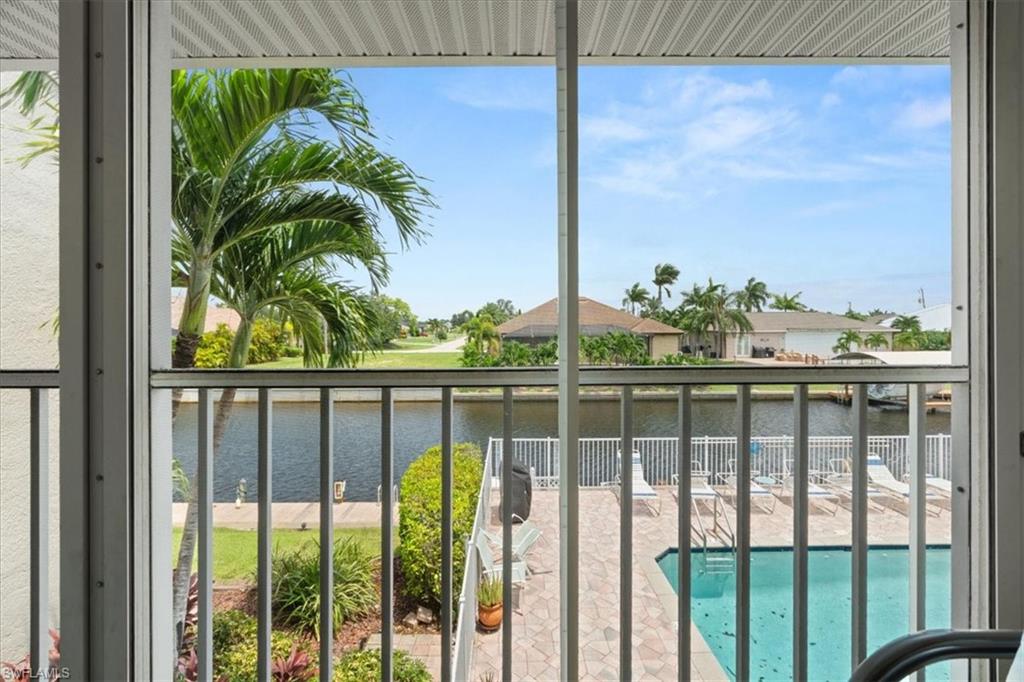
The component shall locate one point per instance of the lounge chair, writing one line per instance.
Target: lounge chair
(757, 491)
(701, 491)
(815, 493)
(523, 539)
(880, 475)
(942, 485)
(642, 490)
(841, 481)
(491, 569)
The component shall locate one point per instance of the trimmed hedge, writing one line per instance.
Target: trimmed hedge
(419, 523)
(360, 666)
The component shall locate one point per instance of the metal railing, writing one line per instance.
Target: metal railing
(38, 384)
(462, 664)
(770, 455)
(455, 656)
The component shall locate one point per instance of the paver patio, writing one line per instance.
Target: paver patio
(535, 625)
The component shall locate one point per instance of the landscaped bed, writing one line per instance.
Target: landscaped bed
(295, 579)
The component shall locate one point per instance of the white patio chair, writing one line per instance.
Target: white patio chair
(491, 569)
(881, 476)
(524, 537)
(758, 492)
(642, 490)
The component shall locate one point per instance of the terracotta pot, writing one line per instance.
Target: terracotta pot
(489, 617)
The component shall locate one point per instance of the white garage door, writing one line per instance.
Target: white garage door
(816, 342)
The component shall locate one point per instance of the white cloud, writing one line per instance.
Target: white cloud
(657, 178)
(611, 129)
(830, 99)
(733, 127)
(924, 113)
(709, 91)
(509, 96)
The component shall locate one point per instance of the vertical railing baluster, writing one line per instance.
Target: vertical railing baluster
(507, 456)
(800, 474)
(264, 530)
(387, 545)
(626, 538)
(39, 534)
(326, 533)
(859, 558)
(446, 534)
(204, 627)
(683, 468)
(743, 534)
(918, 510)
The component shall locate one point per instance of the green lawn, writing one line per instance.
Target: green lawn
(234, 551)
(385, 360)
(413, 343)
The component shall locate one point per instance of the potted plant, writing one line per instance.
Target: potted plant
(489, 603)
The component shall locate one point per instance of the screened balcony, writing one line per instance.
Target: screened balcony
(605, 591)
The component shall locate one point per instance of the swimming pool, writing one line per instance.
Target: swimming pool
(828, 619)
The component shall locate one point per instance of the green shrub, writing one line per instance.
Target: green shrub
(419, 522)
(214, 348)
(296, 581)
(292, 352)
(682, 359)
(268, 341)
(360, 666)
(237, 663)
(231, 628)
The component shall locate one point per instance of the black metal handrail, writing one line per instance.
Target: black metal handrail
(905, 655)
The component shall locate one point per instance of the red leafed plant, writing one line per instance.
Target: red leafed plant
(294, 668)
(188, 668)
(21, 671)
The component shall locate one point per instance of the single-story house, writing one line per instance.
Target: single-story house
(934, 318)
(215, 315)
(797, 331)
(540, 324)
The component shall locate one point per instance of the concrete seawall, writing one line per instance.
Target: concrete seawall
(429, 395)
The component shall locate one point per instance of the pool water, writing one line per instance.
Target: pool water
(713, 599)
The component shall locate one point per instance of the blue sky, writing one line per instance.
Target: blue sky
(830, 180)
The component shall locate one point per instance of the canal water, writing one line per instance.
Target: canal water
(417, 426)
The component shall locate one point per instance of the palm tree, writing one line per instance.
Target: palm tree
(246, 160)
(636, 296)
(250, 180)
(753, 296)
(909, 335)
(784, 301)
(713, 310)
(846, 341)
(665, 275)
(32, 91)
(482, 335)
(876, 340)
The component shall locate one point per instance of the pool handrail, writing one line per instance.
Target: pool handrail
(905, 655)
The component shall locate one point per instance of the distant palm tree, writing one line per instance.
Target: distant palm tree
(784, 301)
(665, 275)
(636, 296)
(847, 340)
(907, 323)
(482, 335)
(876, 340)
(753, 296)
(713, 311)
(909, 335)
